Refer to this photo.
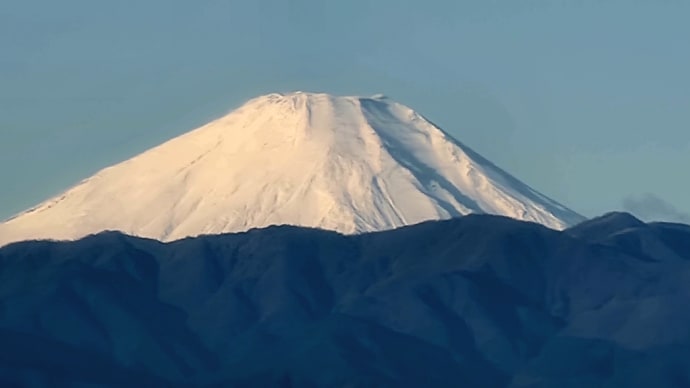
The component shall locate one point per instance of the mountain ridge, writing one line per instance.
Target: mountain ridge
(479, 300)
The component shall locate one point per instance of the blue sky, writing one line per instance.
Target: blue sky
(587, 101)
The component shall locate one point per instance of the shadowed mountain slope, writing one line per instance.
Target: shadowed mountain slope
(483, 301)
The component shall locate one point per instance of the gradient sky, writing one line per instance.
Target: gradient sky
(586, 101)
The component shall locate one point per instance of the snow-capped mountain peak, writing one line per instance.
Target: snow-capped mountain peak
(350, 164)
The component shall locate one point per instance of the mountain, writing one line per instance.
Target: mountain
(478, 301)
(347, 164)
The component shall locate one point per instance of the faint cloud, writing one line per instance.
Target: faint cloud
(650, 207)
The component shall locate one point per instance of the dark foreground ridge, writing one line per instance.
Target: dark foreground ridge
(478, 301)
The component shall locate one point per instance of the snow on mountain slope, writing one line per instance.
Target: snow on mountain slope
(348, 164)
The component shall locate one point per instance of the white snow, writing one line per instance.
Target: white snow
(349, 164)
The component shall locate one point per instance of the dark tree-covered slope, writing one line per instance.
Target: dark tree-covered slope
(479, 301)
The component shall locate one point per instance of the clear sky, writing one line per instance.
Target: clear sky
(586, 101)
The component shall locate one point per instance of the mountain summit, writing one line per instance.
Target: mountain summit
(349, 164)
